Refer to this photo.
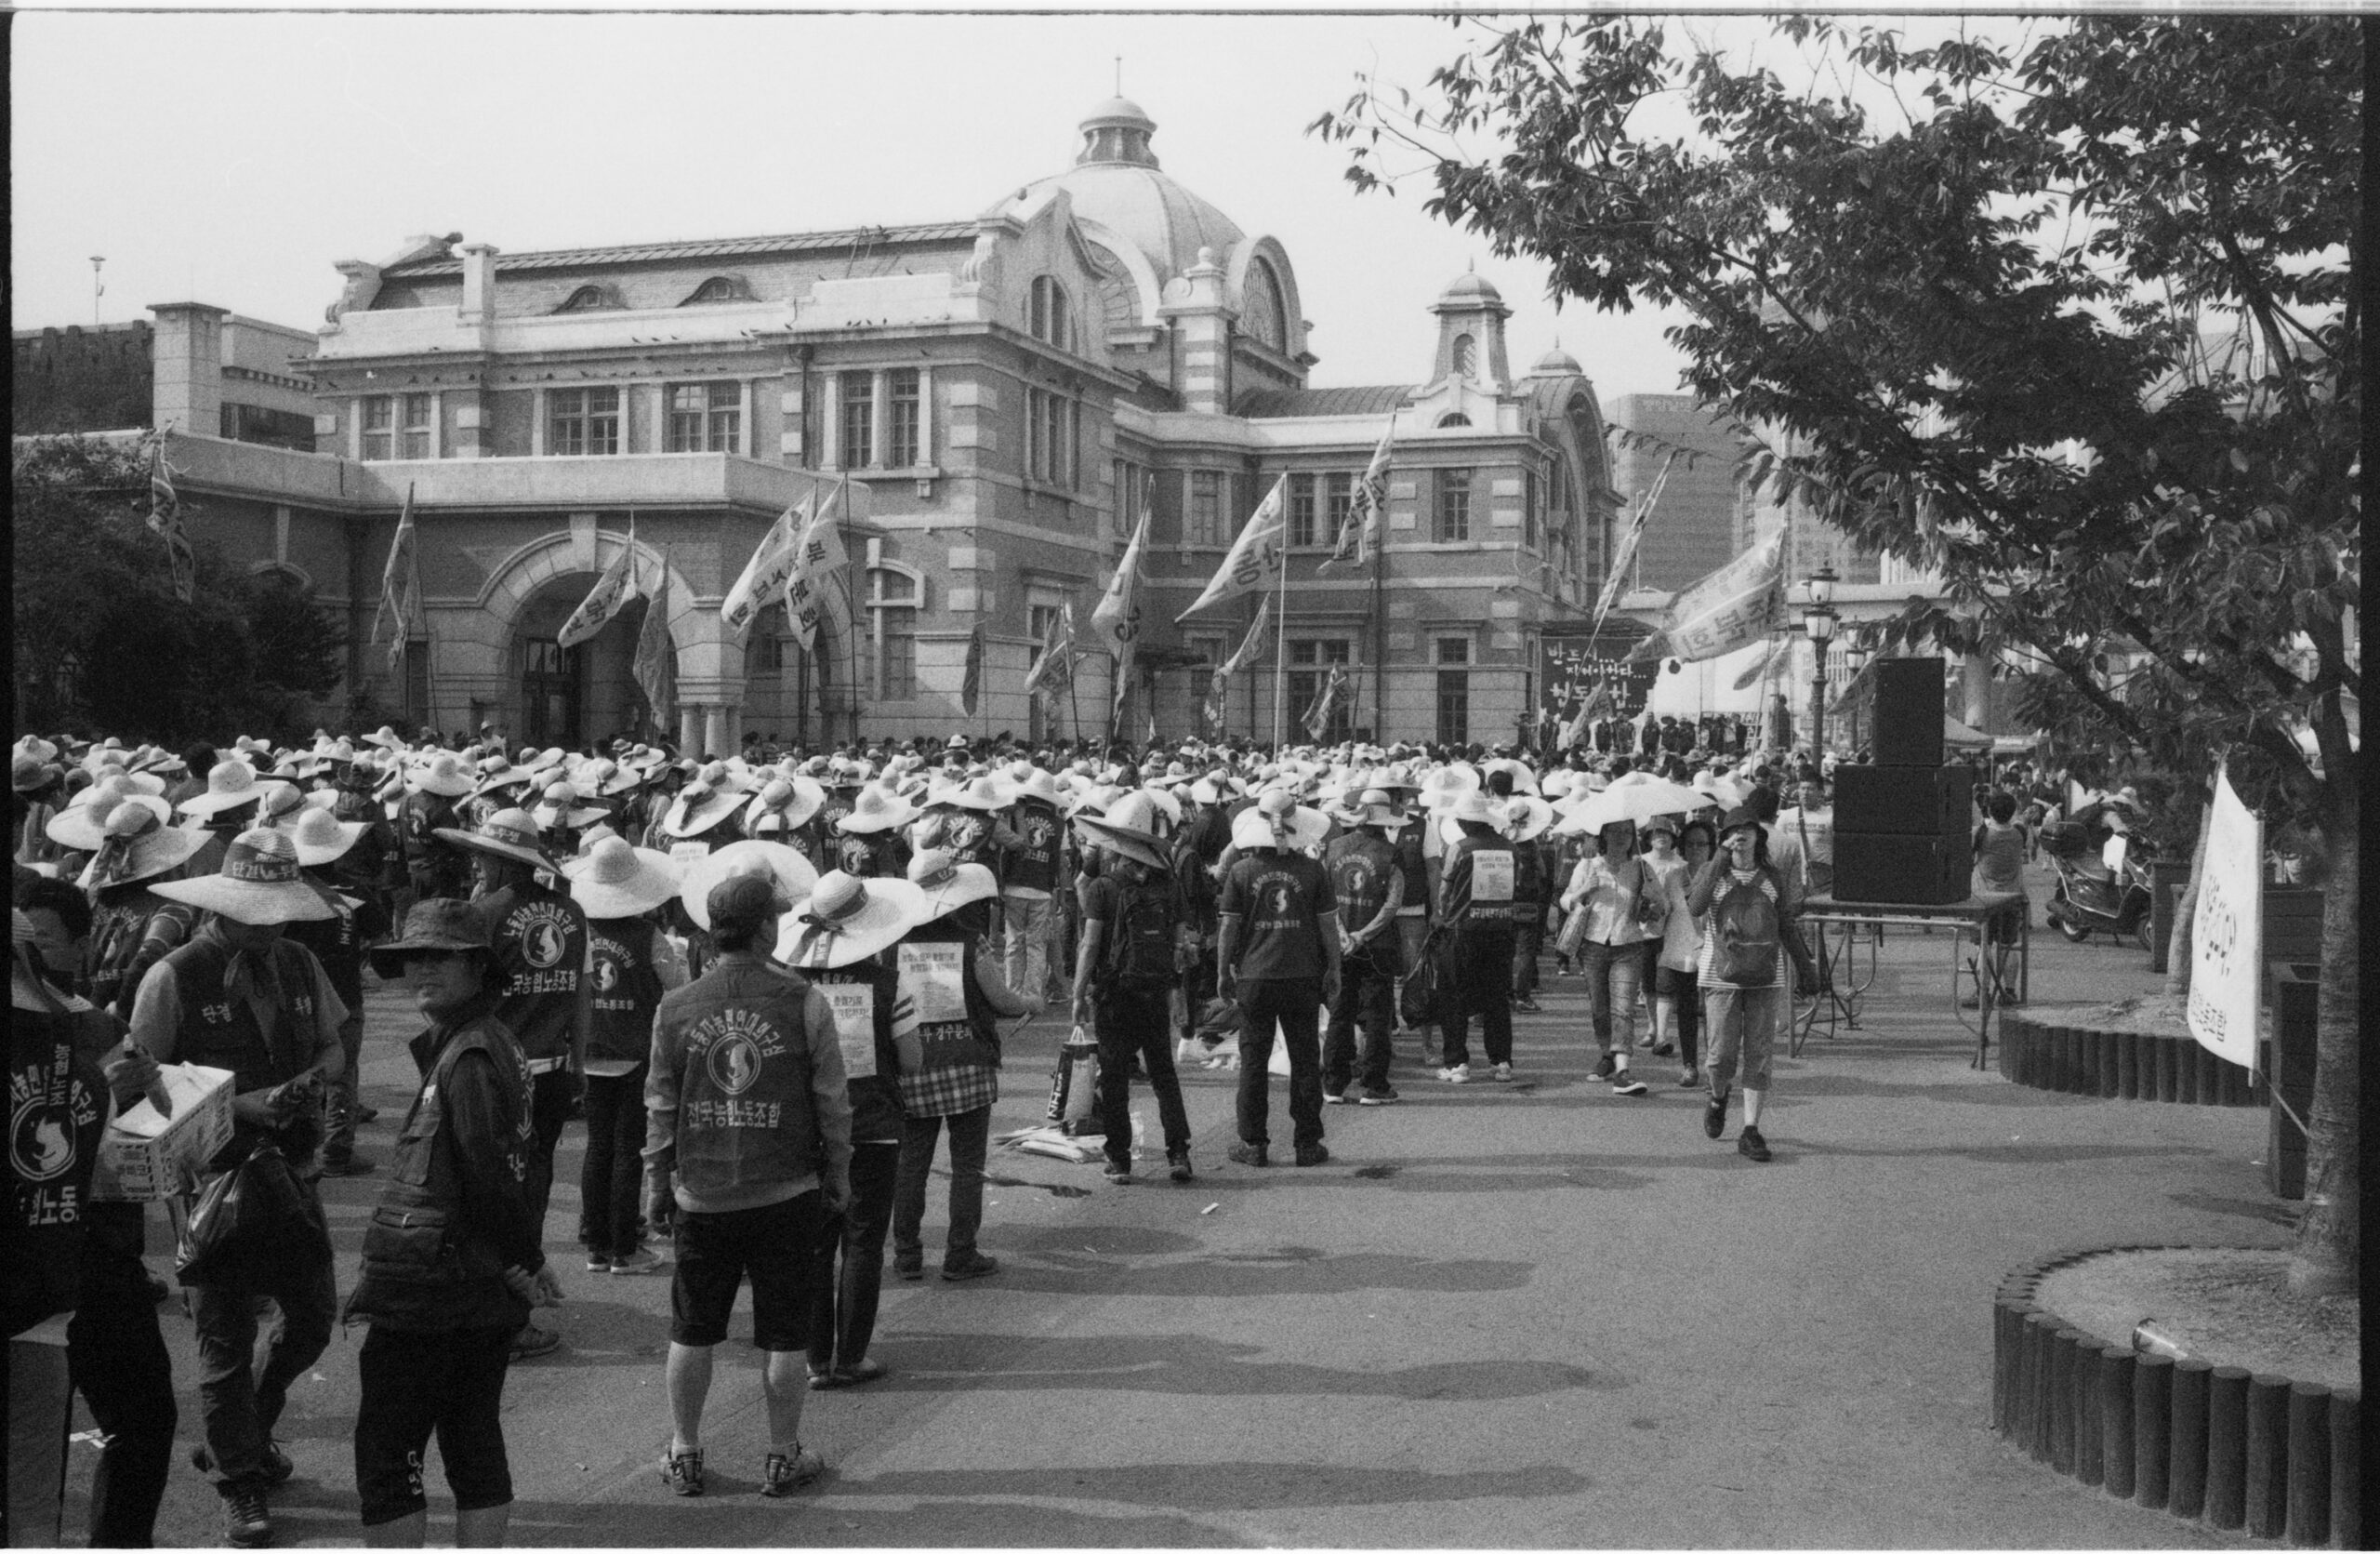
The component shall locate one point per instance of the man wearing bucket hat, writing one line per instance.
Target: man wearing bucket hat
(452, 1262)
(1278, 945)
(242, 996)
(621, 889)
(545, 995)
(747, 1144)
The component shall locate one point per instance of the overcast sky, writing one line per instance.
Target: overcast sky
(232, 159)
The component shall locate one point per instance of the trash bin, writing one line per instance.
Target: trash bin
(2296, 987)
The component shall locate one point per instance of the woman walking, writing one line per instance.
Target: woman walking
(1747, 921)
(1621, 905)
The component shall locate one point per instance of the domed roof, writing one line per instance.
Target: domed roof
(1558, 362)
(1470, 290)
(1115, 181)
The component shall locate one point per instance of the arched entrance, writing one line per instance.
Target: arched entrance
(568, 696)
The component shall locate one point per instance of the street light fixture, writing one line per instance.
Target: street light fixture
(1818, 619)
(1856, 651)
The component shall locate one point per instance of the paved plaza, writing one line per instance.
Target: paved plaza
(1523, 1315)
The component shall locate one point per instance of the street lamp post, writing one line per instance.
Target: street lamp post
(1855, 653)
(1819, 621)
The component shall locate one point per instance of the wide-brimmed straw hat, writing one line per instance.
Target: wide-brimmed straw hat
(260, 883)
(320, 836)
(443, 774)
(794, 799)
(877, 809)
(1475, 806)
(1128, 827)
(793, 875)
(697, 808)
(1444, 785)
(507, 833)
(134, 842)
(846, 919)
(1526, 817)
(82, 825)
(614, 880)
(949, 884)
(1524, 779)
(558, 807)
(229, 785)
(1301, 827)
(1372, 808)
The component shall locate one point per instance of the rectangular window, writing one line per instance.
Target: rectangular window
(1454, 506)
(1050, 431)
(705, 417)
(903, 448)
(1339, 495)
(1454, 690)
(1530, 510)
(896, 656)
(767, 656)
(857, 393)
(1302, 510)
(582, 421)
(1131, 495)
(416, 430)
(380, 419)
(1204, 523)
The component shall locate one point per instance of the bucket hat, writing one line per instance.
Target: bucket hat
(437, 926)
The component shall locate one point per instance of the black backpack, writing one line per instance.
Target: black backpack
(1138, 951)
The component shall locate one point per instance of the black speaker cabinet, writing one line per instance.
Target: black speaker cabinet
(1909, 711)
(1905, 801)
(1902, 870)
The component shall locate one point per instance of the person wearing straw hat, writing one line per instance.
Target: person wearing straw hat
(452, 1259)
(748, 1146)
(229, 806)
(1279, 946)
(951, 1057)
(862, 983)
(1475, 914)
(1029, 884)
(870, 843)
(242, 996)
(337, 942)
(133, 927)
(427, 819)
(1370, 890)
(1526, 817)
(545, 995)
(37, 791)
(631, 965)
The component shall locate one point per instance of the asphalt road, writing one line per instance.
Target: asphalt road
(1521, 1315)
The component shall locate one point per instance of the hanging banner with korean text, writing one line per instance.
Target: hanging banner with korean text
(2226, 935)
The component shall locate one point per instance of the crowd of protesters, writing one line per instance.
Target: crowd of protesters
(772, 988)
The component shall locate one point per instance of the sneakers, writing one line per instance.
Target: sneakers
(1178, 1164)
(1715, 1117)
(1458, 1074)
(682, 1472)
(1334, 1098)
(972, 1266)
(1503, 1074)
(598, 1262)
(1118, 1171)
(1689, 1079)
(1526, 1005)
(278, 1469)
(911, 1269)
(1751, 1145)
(1378, 1095)
(1664, 1049)
(642, 1261)
(1313, 1154)
(1606, 1066)
(534, 1342)
(346, 1165)
(1247, 1154)
(1625, 1084)
(781, 1475)
(246, 1522)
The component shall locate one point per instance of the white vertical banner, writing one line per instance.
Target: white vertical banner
(2226, 933)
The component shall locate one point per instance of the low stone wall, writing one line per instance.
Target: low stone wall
(2121, 1065)
(2264, 1454)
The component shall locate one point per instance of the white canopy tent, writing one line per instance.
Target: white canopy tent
(1709, 686)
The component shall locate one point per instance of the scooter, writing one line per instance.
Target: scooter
(2088, 898)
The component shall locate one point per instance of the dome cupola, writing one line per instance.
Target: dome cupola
(1118, 130)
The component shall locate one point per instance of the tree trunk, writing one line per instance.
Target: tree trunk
(2178, 947)
(2328, 1239)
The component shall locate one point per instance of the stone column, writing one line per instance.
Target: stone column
(187, 392)
(716, 741)
(689, 729)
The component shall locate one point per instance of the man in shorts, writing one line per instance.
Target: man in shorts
(748, 1146)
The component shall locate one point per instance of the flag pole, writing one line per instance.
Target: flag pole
(850, 627)
(1281, 659)
(1379, 637)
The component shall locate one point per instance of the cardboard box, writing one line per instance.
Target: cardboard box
(152, 1157)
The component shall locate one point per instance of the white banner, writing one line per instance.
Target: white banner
(934, 975)
(854, 1007)
(1255, 558)
(764, 576)
(1737, 605)
(2226, 935)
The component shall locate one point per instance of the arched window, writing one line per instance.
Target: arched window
(1046, 315)
(1454, 418)
(721, 288)
(1268, 316)
(591, 299)
(1466, 357)
(894, 594)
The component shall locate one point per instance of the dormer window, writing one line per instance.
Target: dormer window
(1267, 316)
(591, 299)
(1454, 418)
(1046, 315)
(1466, 357)
(721, 288)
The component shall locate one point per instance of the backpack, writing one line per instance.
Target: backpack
(1137, 954)
(1744, 936)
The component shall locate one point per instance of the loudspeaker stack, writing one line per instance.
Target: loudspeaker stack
(1901, 833)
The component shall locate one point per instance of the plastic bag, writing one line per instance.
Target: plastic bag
(250, 1224)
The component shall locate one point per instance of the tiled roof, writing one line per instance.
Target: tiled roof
(723, 247)
(1370, 400)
